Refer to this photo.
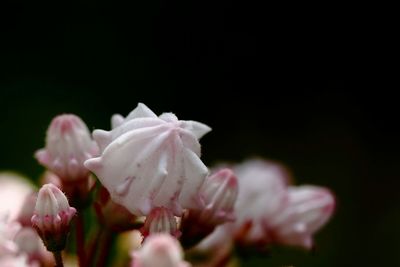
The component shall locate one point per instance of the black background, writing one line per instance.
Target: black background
(290, 83)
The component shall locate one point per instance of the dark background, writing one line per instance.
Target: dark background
(286, 83)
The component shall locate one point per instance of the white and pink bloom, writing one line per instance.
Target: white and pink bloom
(273, 212)
(52, 217)
(68, 145)
(149, 161)
(159, 250)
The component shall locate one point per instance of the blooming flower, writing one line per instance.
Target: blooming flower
(273, 212)
(159, 250)
(149, 161)
(68, 145)
(52, 217)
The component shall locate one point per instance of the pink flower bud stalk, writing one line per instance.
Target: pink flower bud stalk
(159, 250)
(218, 195)
(68, 145)
(309, 208)
(160, 220)
(149, 161)
(52, 217)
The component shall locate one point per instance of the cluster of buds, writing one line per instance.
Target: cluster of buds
(151, 179)
(269, 211)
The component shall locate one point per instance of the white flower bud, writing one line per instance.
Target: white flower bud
(52, 216)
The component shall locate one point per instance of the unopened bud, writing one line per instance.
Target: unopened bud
(52, 217)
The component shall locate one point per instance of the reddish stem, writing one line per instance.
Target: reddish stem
(80, 239)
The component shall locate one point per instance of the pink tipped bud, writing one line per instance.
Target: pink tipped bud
(160, 220)
(219, 193)
(68, 145)
(309, 208)
(52, 217)
(159, 250)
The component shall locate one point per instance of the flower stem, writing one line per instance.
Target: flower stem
(58, 259)
(91, 256)
(80, 239)
(106, 242)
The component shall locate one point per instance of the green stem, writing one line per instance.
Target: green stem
(91, 256)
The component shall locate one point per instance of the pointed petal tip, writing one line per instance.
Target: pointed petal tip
(93, 164)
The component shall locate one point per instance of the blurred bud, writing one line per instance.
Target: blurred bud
(30, 244)
(52, 217)
(50, 178)
(25, 215)
(68, 145)
(8, 230)
(14, 189)
(160, 220)
(159, 250)
(218, 195)
(309, 208)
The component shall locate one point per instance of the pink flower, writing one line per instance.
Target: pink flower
(262, 195)
(68, 145)
(159, 250)
(309, 208)
(149, 161)
(52, 217)
(160, 220)
(272, 212)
